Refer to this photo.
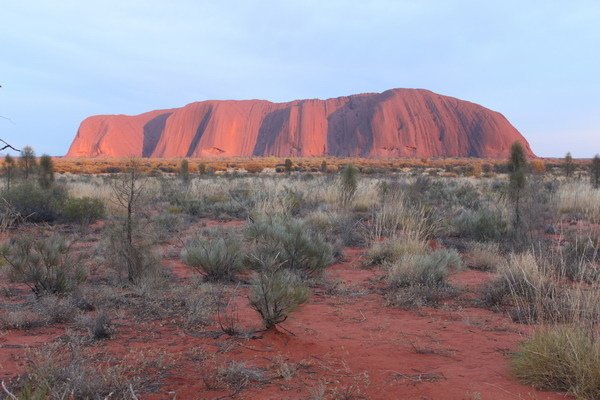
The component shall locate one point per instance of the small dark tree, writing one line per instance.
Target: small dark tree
(27, 161)
(518, 179)
(568, 165)
(184, 171)
(288, 165)
(201, 169)
(595, 172)
(46, 171)
(349, 183)
(324, 166)
(9, 169)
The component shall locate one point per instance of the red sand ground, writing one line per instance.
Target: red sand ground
(346, 340)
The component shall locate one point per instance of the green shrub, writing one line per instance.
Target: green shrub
(562, 359)
(299, 248)
(34, 203)
(44, 263)
(84, 210)
(217, 259)
(275, 293)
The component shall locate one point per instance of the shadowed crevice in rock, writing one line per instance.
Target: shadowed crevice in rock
(153, 129)
(349, 130)
(199, 133)
(272, 128)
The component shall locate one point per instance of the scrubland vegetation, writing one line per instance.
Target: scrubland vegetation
(189, 246)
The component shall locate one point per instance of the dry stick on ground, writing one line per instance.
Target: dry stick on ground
(12, 396)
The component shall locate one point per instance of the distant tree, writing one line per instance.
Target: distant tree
(46, 171)
(349, 184)
(9, 169)
(288, 165)
(568, 165)
(324, 166)
(184, 171)
(27, 162)
(595, 172)
(518, 179)
(201, 169)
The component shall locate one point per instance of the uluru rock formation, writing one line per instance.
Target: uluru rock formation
(395, 123)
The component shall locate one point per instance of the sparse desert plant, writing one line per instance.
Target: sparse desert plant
(34, 203)
(297, 246)
(99, 326)
(579, 198)
(218, 259)
(276, 292)
(568, 165)
(57, 369)
(348, 184)
(238, 375)
(562, 358)
(485, 257)
(46, 171)
(392, 249)
(421, 279)
(27, 161)
(484, 224)
(595, 172)
(129, 246)
(84, 210)
(518, 180)
(9, 170)
(184, 172)
(44, 263)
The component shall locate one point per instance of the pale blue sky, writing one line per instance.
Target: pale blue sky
(537, 62)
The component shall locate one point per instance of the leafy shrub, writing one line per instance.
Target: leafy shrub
(44, 263)
(218, 259)
(561, 358)
(34, 203)
(84, 210)
(276, 292)
(298, 247)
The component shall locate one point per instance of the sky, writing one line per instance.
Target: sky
(536, 62)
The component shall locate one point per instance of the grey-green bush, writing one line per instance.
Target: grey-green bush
(298, 247)
(44, 263)
(218, 259)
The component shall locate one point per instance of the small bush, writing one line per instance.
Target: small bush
(137, 260)
(34, 203)
(295, 244)
(562, 359)
(485, 257)
(481, 225)
(392, 249)
(84, 210)
(44, 263)
(430, 270)
(217, 259)
(419, 280)
(275, 293)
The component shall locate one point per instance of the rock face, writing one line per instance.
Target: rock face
(395, 123)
